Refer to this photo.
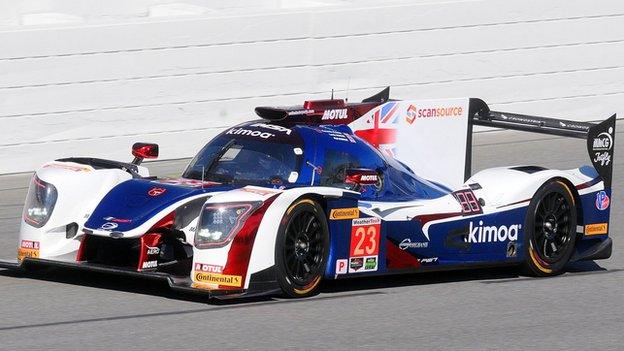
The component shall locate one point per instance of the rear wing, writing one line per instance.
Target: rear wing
(600, 136)
(434, 137)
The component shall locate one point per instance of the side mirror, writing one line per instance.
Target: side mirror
(362, 176)
(141, 151)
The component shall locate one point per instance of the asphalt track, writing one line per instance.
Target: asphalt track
(492, 309)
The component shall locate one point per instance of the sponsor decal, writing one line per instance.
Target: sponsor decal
(335, 114)
(604, 158)
(572, 125)
(602, 142)
(218, 279)
(260, 191)
(408, 244)
(449, 111)
(596, 229)
(363, 264)
(602, 200)
(338, 136)
(364, 248)
(69, 167)
(152, 250)
(156, 191)
(355, 264)
(149, 264)
(108, 226)
(193, 183)
(275, 127)
(602, 145)
(522, 119)
(299, 112)
(370, 263)
(410, 116)
(344, 213)
(211, 268)
(341, 266)
(489, 234)
(117, 220)
(428, 260)
(29, 249)
(249, 132)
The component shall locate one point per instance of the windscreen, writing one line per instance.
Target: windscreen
(248, 156)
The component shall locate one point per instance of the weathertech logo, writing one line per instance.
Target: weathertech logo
(344, 213)
(489, 234)
(218, 279)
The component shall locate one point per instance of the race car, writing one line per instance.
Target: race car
(326, 190)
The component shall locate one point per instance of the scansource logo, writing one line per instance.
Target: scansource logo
(414, 112)
(489, 234)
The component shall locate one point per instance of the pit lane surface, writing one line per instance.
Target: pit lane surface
(492, 309)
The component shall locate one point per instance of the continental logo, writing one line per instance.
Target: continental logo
(30, 253)
(596, 229)
(219, 279)
(344, 213)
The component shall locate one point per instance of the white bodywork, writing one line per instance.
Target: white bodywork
(80, 188)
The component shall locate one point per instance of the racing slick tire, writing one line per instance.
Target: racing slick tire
(302, 248)
(550, 232)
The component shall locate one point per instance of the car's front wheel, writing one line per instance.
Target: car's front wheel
(550, 229)
(302, 248)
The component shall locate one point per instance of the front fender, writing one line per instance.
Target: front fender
(80, 188)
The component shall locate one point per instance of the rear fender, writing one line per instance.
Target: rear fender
(505, 186)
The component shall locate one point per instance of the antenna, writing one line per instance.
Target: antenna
(347, 93)
(332, 95)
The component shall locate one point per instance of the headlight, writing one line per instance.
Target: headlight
(40, 202)
(219, 223)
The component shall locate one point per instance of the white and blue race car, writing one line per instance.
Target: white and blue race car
(326, 190)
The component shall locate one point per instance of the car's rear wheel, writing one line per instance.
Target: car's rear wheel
(550, 232)
(302, 248)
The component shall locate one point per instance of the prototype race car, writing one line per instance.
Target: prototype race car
(327, 190)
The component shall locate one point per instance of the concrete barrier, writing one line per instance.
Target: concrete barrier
(94, 86)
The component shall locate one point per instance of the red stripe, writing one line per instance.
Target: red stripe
(397, 258)
(151, 240)
(240, 251)
(434, 217)
(377, 136)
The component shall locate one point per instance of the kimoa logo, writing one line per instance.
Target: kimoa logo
(488, 234)
(249, 132)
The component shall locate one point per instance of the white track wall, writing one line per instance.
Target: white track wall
(93, 86)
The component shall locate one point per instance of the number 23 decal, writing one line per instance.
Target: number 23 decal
(365, 234)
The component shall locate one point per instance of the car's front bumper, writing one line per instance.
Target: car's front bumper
(177, 283)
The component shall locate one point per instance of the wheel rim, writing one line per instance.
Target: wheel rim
(552, 227)
(304, 248)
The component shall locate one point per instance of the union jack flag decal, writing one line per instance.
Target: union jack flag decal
(381, 132)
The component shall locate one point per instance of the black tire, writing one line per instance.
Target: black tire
(550, 233)
(302, 248)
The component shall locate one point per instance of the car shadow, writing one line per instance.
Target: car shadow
(370, 284)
